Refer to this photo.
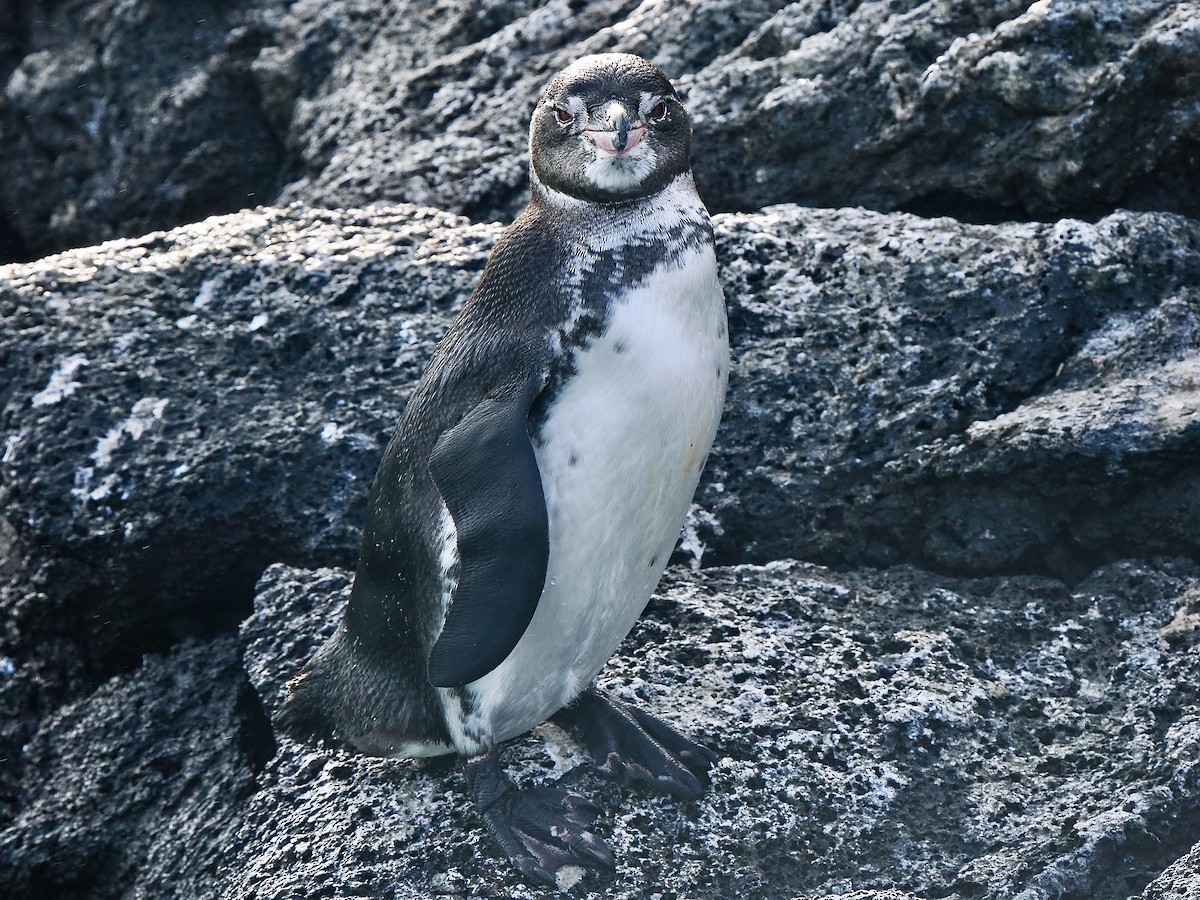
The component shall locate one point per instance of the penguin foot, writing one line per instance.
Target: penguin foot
(631, 746)
(540, 829)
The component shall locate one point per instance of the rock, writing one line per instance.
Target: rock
(983, 111)
(435, 108)
(184, 409)
(1003, 399)
(987, 112)
(117, 118)
(1178, 882)
(895, 733)
(1003, 417)
(133, 787)
(180, 411)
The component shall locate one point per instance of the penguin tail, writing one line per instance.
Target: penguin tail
(305, 715)
(341, 698)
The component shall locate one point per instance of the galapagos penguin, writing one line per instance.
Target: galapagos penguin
(539, 476)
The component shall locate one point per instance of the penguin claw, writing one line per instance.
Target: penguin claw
(631, 746)
(541, 829)
(530, 869)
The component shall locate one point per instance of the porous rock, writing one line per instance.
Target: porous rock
(881, 732)
(986, 111)
(1015, 398)
(983, 111)
(1180, 881)
(121, 117)
(184, 409)
(181, 410)
(130, 791)
(892, 733)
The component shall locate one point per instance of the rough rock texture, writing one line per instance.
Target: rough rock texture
(1001, 417)
(877, 734)
(182, 410)
(121, 116)
(178, 412)
(1019, 398)
(1181, 880)
(993, 111)
(985, 111)
(135, 786)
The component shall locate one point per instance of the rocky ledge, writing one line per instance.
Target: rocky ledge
(119, 116)
(882, 731)
(979, 434)
(1015, 403)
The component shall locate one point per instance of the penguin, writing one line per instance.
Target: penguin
(539, 476)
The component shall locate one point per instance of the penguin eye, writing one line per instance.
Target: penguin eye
(564, 116)
(657, 112)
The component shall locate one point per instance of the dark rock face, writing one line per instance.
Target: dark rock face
(989, 111)
(1007, 399)
(121, 117)
(874, 730)
(1178, 882)
(134, 787)
(117, 118)
(182, 409)
(988, 431)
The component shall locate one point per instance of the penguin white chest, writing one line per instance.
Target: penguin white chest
(620, 454)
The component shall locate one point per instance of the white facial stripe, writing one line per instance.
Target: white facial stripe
(576, 108)
(645, 102)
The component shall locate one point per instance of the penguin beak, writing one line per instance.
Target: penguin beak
(614, 133)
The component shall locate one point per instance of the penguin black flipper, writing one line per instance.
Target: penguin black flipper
(486, 472)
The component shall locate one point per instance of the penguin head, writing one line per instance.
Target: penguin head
(609, 128)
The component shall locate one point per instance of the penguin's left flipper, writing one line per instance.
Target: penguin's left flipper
(539, 829)
(486, 472)
(630, 746)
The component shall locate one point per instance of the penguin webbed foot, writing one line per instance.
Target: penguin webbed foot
(539, 829)
(630, 746)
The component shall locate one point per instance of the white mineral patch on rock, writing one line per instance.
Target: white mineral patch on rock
(205, 294)
(145, 413)
(332, 432)
(60, 384)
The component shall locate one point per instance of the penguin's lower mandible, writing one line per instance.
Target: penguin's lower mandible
(539, 476)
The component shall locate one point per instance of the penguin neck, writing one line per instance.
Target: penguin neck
(544, 197)
(672, 214)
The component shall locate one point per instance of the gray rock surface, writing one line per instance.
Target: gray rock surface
(880, 731)
(986, 111)
(119, 117)
(184, 409)
(134, 788)
(1014, 398)
(1181, 880)
(1001, 417)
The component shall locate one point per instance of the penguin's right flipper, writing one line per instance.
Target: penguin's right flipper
(485, 469)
